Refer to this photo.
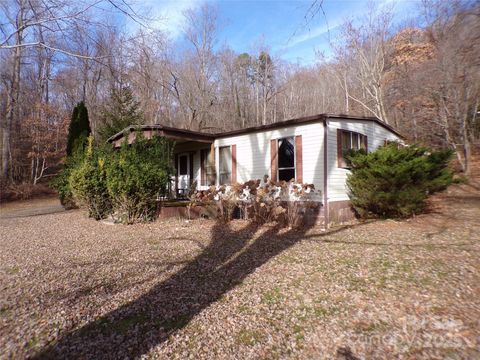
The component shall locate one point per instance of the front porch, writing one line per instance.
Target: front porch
(194, 167)
(194, 157)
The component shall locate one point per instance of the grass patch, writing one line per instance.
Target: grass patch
(12, 271)
(288, 259)
(4, 311)
(357, 283)
(322, 312)
(243, 309)
(248, 337)
(272, 297)
(299, 332)
(368, 327)
(124, 324)
(153, 242)
(33, 343)
(175, 323)
(120, 326)
(387, 272)
(351, 263)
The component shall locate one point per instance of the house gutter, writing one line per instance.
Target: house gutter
(325, 172)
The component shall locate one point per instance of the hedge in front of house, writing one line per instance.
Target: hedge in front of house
(136, 175)
(88, 182)
(394, 181)
(125, 182)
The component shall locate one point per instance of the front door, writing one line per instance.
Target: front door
(183, 167)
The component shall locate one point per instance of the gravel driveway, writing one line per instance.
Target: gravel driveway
(75, 288)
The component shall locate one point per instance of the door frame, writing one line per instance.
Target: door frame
(188, 172)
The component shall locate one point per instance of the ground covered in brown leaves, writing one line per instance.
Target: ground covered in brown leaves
(74, 288)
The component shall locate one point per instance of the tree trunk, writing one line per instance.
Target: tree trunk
(12, 99)
(257, 108)
(347, 107)
(467, 149)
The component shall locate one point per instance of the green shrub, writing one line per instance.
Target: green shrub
(61, 182)
(88, 182)
(136, 175)
(394, 181)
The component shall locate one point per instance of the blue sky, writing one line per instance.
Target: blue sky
(278, 24)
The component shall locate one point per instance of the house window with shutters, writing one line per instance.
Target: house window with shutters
(346, 141)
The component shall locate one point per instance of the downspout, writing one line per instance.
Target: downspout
(325, 172)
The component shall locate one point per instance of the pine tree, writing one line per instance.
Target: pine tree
(77, 139)
(79, 128)
(121, 111)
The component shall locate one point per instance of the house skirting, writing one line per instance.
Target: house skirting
(340, 212)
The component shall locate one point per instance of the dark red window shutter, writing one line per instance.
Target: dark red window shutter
(203, 174)
(273, 160)
(365, 140)
(340, 160)
(298, 159)
(234, 164)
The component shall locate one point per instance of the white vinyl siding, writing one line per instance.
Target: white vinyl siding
(376, 135)
(253, 152)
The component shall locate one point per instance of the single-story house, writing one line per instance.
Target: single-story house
(308, 149)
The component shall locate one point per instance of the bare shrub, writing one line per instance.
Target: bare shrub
(283, 202)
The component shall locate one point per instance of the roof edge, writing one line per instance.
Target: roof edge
(159, 127)
(289, 122)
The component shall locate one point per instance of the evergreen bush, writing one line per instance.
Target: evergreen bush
(61, 181)
(394, 181)
(88, 182)
(136, 175)
(79, 129)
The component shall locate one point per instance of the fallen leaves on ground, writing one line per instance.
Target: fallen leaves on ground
(199, 289)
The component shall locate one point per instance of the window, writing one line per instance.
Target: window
(225, 167)
(286, 159)
(346, 141)
(183, 165)
(207, 167)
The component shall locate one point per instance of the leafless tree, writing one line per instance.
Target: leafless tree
(363, 55)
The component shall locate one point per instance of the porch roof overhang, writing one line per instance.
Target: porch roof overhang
(179, 135)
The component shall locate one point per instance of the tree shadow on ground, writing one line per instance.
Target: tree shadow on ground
(136, 327)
